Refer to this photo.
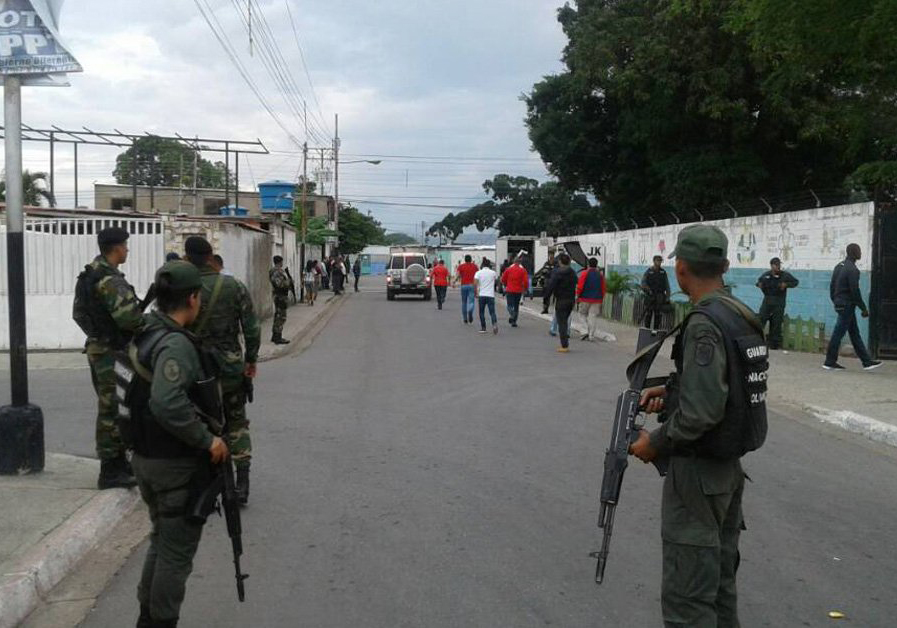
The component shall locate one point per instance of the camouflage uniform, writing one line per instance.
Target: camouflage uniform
(280, 283)
(220, 329)
(116, 297)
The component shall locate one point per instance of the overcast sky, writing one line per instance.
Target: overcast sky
(428, 78)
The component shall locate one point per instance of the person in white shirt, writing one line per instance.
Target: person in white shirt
(484, 281)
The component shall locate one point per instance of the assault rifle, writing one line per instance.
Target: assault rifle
(625, 431)
(292, 286)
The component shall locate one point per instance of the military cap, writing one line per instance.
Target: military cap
(197, 245)
(180, 275)
(112, 235)
(702, 243)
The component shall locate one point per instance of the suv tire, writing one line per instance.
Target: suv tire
(415, 274)
(390, 295)
(428, 295)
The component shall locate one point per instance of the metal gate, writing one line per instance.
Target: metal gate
(883, 328)
(56, 250)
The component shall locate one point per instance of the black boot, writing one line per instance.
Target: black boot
(280, 340)
(114, 474)
(165, 623)
(144, 621)
(243, 485)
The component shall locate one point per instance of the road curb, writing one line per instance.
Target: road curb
(574, 325)
(34, 575)
(873, 429)
(299, 336)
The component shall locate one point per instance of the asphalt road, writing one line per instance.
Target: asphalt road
(411, 472)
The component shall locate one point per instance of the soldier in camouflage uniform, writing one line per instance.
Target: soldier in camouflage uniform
(280, 283)
(226, 314)
(109, 313)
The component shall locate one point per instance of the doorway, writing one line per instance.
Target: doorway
(883, 328)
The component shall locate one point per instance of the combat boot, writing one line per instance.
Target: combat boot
(242, 485)
(145, 620)
(165, 623)
(113, 474)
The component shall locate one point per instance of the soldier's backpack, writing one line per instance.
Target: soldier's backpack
(87, 311)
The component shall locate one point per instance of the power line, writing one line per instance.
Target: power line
(225, 43)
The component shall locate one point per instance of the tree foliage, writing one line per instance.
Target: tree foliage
(168, 163)
(520, 205)
(357, 230)
(34, 189)
(679, 104)
(399, 239)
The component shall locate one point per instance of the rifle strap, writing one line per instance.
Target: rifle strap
(216, 292)
(638, 370)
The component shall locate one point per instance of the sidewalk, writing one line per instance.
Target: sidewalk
(50, 521)
(53, 520)
(855, 400)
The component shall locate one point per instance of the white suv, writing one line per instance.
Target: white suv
(407, 274)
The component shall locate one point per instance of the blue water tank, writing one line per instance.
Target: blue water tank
(276, 196)
(233, 210)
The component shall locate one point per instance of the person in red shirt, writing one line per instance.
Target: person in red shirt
(440, 282)
(590, 293)
(515, 279)
(465, 274)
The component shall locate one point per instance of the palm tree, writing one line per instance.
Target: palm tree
(34, 187)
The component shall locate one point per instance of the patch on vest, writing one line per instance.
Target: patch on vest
(171, 370)
(704, 353)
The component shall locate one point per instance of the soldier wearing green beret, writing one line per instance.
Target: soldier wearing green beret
(170, 441)
(227, 314)
(714, 408)
(108, 311)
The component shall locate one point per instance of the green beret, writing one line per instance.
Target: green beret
(702, 243)
(112, 235)
(180, 275)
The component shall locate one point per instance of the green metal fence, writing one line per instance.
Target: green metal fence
(798, 334)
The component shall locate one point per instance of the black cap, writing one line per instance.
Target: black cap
(112, 235)
(198, 246)
(171, 257)
(278, 259)
(775, 262)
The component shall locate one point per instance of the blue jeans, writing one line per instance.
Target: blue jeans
(513, 299)
(847, 324)
(467, 299)
(490, 303)
(553, 330)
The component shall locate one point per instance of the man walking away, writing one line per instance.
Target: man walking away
(775, 285)
(656, 286)
(337, 276)
(846, 297)
(441, 279)
(590, 292)
(173, 447)
(226, 324)
(280, 286)
(515, 281)
(562, 286)
(466, 273)
(109, 313)
(356, 270)
(716, 412)
(484, 282)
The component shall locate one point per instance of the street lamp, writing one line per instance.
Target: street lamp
(373, 162)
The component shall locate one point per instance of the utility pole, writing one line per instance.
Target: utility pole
(195, 171)
(303, 217)
(336, 175)
(21, 424)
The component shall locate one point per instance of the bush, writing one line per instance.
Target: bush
(617, 283)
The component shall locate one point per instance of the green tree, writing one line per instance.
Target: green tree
(520, 205)
(317, 231)
(399, 239)
(681, 104)
(34, 189)
(357, 230)
(162, 162)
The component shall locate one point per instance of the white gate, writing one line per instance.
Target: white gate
(56, 250)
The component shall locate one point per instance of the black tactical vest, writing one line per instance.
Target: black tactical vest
(747, 358)
(134, 376)
(90, 314)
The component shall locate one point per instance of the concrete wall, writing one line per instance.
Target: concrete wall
(810, 244)
(247, 253)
